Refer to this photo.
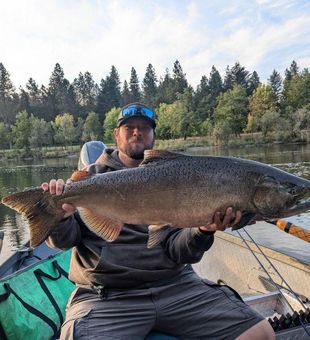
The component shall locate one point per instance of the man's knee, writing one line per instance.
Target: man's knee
(260, 331)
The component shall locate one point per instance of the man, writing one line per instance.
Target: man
(125, 289)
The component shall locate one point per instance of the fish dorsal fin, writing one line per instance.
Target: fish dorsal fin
(79, 175)
(151, 156)
(103, 226)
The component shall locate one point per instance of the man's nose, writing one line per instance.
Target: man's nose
(137, 131)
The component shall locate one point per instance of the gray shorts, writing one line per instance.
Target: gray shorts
(187, 308)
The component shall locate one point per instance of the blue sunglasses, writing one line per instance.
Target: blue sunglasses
(138, 111)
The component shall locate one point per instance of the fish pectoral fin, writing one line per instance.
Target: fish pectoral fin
(245, 219)
(103, 226)
(152, 156)
(156, 233)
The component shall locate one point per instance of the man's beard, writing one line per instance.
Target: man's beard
(136, 153)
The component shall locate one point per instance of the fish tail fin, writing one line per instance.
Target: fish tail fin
(40, 210)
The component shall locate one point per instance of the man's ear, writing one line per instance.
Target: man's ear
(115, 134)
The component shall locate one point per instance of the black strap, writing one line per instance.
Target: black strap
(39, 274)
(31, 309)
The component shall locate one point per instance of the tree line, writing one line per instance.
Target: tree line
(64, 113)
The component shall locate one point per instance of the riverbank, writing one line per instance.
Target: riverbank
(248, 139)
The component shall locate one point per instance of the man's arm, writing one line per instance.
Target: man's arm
(188, 245)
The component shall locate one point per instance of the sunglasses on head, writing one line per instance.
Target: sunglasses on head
(138, 111)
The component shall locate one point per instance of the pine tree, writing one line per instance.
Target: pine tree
(86, 92)
(179, 78)
(292, 71)
(166, 89)
(57, 100)
(253, 83)
(202, 99)
(275, 81)
(125, 95)
(149, 86)
(228, 80)
(109, 95)
(216, 88)
(134, 87)
(8, 97)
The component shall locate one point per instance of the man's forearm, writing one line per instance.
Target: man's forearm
(187, 245)
(66, 235)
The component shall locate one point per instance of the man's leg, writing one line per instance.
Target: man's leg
(193, 308)
(120, 315)
(261, 330)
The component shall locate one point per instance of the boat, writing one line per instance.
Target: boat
(284, 299)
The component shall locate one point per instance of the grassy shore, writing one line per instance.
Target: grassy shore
(171, 144)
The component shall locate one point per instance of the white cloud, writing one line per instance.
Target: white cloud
(93, 35)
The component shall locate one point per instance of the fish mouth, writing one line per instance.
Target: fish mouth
(299, 207)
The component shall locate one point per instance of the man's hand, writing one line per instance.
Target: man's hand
(222, 222)
(56, 187)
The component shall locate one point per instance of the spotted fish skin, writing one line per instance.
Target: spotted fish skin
(167, 189)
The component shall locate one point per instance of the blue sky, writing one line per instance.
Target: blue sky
(92, 35)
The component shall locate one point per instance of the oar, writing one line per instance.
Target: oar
(1, 239)
(293, 229)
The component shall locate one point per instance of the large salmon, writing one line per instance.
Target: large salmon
(167, 189)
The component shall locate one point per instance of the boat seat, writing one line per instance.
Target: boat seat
(90, 152)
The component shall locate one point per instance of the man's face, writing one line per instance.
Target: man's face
(134, 136)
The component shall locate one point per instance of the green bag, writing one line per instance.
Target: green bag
(33, 301)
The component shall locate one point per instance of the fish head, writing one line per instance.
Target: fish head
(276, 198)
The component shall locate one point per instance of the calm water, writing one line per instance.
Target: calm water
(16, 176)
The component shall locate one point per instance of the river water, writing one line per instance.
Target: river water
(16, 176)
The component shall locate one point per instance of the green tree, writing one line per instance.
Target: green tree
(166, 93)
(202, 98)
(237, 75)
(86, 92)
(167, 126)
(216, 88)
(232, 107)
(188, 124)
(297, 91)
(58, 98)
(42, 134)
(275, 81)
(22, 131)
(222, 132)
(109, 93)
(179, 78)
(8, 97)
(149, 86)
(64, 129)
(92, 128)
(261, 101)
(5, 136)
(292, 72)
(253, 83)
(125, 94)
(109, 124)
(134, 86)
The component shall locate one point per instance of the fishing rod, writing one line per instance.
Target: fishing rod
(292, 229)
(281, 277)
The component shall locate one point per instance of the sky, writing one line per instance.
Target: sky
(93, 35)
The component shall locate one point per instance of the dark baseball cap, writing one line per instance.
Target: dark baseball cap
(136, 110)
